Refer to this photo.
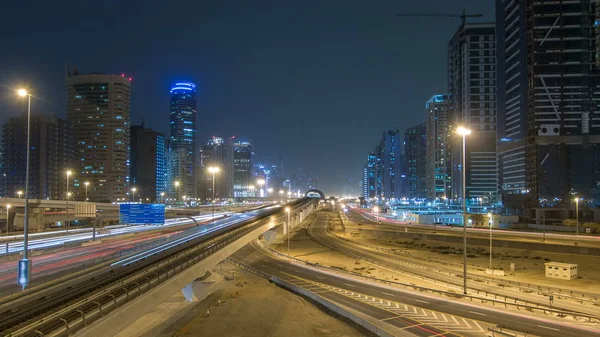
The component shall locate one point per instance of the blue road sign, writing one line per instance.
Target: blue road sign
(141, 214)
(24, 273)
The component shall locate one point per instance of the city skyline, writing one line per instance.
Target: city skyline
(363, 49)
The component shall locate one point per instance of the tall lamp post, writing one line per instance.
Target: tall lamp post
(376, 209)
(133, 189)
(577, 213)
(87, 183)
(213, 170)
(7, 215)
(464, 132)
(269, 191)
(68, 194)
(289, 213)
(176, 190)
(491, 224)
(19, 193)
(261, 183)
(162, 197)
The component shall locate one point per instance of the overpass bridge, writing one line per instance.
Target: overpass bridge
(105, 299)
(43, 213)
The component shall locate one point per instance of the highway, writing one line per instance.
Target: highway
(48, 240)
(386, 224)
(110, 284)
(415, 313)
(440, 273)
(52, 265)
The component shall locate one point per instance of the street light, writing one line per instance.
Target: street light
(260, 183)
(162, 197)
(213, 170)
(176, 183)
(289, 213)
(87, 183)
(19, 193)
(269, 191)
(7, 210)
(577, 213)
(491, 224)
(464, 132)
(251, 188)
(376, 209)
(133, 189)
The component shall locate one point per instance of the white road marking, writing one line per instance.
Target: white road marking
(467, 323)
(279, 265)
(387, 294)
(319, 277)
(477, 313)
(478, 326)
(422, 301)
(549, 328)
(349, 285)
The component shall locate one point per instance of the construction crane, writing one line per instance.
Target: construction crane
(462, 16)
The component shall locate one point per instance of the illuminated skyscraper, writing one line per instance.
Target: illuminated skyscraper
(182, 140)
(98, 105)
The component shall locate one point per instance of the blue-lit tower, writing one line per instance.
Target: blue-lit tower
(182, 140)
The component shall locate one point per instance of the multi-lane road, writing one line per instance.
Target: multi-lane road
(362, 216)
(414, 313)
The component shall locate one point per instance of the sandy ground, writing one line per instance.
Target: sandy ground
(529, 264)
(249, 306)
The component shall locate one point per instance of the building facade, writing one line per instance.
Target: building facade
(548, 87)
(213, 154)
(415, 154)
(241, 168)
(372, 177)
(472, 104)
(148, 164)
(390, 146)
(439, 180)
(51, 156)
(98, 106)
(182, 138)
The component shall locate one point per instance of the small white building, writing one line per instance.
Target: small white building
(563, 271)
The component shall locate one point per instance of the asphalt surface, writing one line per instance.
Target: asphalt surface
(432, 313)
(432, 271)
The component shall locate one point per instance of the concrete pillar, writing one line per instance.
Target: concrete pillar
(270, 235)
(36, 219)
(200, 288)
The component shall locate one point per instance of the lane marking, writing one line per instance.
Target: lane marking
(349, 285)
(387, 294)
(549, 328)
(319, 277)
(478, 313)
(467, 323)
(422, 301)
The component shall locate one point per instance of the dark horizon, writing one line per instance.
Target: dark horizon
(313, 84)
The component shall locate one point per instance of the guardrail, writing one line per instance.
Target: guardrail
(522, 286)
(112, 290)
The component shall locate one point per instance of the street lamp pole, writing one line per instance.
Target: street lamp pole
(491, 224)
(67, 222)
(7, 216)
(464, 132)
(376, 209)
(133, 194)
(213, 170)
(87, 183)
(288, 210)
(577, 213)
(24, 282)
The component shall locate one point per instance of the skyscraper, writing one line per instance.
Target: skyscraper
(213, 154)
(98, 105)
(241, 166)
(51, 156)
(472, 92)
(438, 156)
(182, 139)
(390, 163)
(148, 163)
(372, 176)
(415, 153)
(548, 88)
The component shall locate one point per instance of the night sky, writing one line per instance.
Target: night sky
(313, 82)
